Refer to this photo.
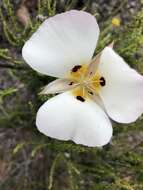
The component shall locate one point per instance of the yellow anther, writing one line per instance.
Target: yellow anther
(95, 82)
(80, 91)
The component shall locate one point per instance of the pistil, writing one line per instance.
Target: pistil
(87, 86)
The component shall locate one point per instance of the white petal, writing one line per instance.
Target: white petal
(123, 93)
(58, 86)
(61, 42)
(66, 118)
(94, 64)
(95, 97)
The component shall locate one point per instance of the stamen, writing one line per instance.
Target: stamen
(88, 85)
(83, 91)
(95, 81)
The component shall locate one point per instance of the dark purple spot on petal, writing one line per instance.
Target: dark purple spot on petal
(90, 92)
(80, 98)
(102, 81)
(76, 68)
(71, 83)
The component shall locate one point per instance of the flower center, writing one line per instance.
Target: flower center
(88, 84)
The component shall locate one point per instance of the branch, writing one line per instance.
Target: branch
(11, 66)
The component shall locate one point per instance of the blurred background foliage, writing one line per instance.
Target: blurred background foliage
(28, 159)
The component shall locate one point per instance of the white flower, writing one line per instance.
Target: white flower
(92, 89)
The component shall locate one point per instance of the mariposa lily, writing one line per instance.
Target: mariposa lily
(91, 89)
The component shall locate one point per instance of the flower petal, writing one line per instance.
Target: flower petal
(95, 97)
(66, 118)
(58, 86)
(93, 66)
(61, 42)
(123, 93)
